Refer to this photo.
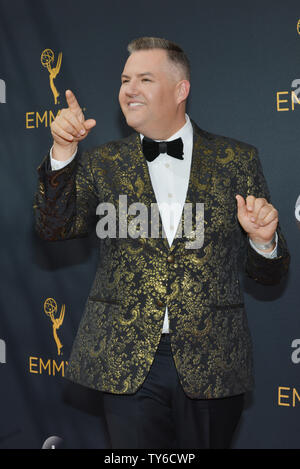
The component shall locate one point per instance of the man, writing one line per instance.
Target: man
(164, 335)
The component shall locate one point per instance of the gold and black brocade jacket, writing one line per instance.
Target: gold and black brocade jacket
(137, 277)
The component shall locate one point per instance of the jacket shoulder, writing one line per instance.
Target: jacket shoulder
(224, 141)
(108, 149)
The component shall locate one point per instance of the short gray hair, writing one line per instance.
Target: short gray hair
(175, 53)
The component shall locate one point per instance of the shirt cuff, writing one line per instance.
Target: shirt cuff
(269, 255)
(56, 164)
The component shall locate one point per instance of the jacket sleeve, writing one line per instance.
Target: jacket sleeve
(264, 270)
(65, 200)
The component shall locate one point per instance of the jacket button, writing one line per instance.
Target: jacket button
(171, 259)
(159, 303)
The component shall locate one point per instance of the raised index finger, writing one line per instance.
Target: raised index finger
(72, 101)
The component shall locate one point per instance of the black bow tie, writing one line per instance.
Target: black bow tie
(152, 149)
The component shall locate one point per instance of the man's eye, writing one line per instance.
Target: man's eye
(124, 81)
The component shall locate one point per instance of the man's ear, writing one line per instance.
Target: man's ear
(183, 89)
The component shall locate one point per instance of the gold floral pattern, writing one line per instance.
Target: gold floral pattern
(135, 279)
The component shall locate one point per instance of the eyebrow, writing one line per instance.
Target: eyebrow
(139, 75)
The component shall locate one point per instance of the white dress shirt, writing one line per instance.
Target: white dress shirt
(170, 178)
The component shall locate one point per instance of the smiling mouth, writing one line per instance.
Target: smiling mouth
(136, 104)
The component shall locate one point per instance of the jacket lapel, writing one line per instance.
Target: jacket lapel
(202, 167)
(139, 187)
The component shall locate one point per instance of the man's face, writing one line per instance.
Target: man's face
(148, 95)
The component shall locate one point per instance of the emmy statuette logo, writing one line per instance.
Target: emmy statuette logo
(51, 366)
(47, 60)
(36, 119)
(43, 117)
(50, 309)
(289, 100)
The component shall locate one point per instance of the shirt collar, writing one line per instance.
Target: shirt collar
(185, 132)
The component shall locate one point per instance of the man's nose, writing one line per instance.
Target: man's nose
(132, 88)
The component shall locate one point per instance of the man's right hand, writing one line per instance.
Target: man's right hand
(69, 128)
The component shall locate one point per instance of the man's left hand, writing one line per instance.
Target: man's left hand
(257, 217)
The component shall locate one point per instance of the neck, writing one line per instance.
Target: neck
(167, 132)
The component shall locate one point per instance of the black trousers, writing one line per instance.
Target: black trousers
(161, 416)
